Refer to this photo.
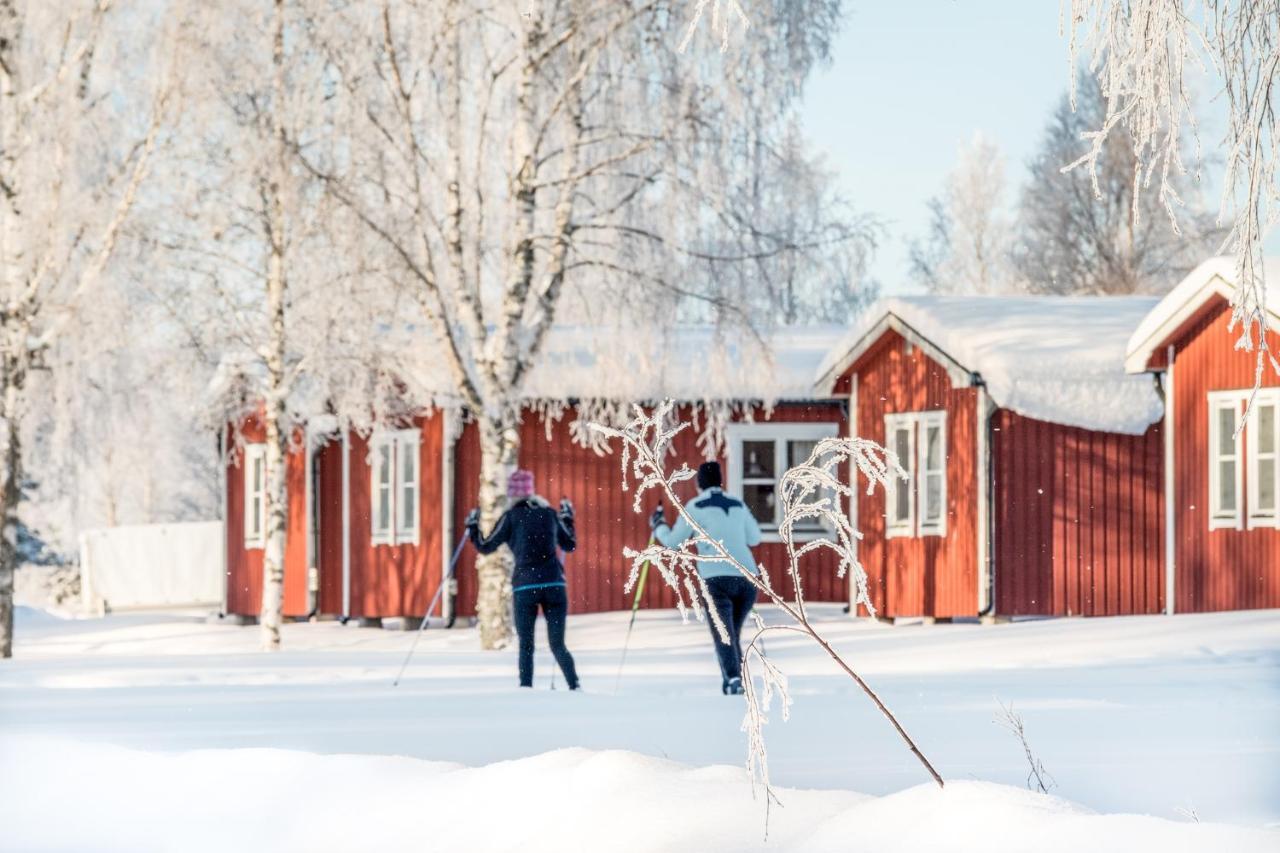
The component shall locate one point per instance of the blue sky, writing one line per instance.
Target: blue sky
(911, 81)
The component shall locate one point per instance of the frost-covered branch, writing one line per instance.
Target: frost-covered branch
(810, 492)
(1141, 52)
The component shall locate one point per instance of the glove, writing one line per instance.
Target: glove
(473, 519)
(566, 509)
(657, 519)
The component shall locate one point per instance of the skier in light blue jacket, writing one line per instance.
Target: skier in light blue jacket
(727, 520)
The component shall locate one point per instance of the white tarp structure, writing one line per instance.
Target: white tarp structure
(152, 566)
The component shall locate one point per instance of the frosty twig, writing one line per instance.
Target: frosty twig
(811, 491)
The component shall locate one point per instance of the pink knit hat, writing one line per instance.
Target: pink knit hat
(520, 484)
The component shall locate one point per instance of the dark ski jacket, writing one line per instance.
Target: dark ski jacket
(531, 529)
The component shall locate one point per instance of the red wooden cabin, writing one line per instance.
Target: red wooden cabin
(1223, 519)
(373, 519)
(1034, 463)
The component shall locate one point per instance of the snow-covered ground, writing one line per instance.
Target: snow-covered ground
(159, 732)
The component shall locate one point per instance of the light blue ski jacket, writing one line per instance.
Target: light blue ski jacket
(727, 520)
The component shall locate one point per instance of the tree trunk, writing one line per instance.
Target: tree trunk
(274, 414)
(11, 495)
(499, 447)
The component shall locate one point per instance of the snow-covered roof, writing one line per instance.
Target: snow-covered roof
(1214, 276)
(1053, 358)
(690, 363)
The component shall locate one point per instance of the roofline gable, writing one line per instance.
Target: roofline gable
(1180, 306)
(961, 376)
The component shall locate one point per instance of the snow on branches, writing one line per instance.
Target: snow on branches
(1141, 51)
(809, 492)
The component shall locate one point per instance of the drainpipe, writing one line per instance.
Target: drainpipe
(346, 525)
(222, 540)
(1170, 516)
(986, 495)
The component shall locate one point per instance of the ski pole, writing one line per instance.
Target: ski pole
(564, 562)
(635, 608)
(453, 562)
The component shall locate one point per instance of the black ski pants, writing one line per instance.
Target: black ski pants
(554, 602)
(732, 597)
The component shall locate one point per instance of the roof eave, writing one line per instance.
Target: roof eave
(961, 376)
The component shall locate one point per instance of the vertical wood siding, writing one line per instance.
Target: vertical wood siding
(328, 497)
(927, 575)
(244, 565)
(395, 580)
(1078, 519)
(597, 571)
(1214, 569)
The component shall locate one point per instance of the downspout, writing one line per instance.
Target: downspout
(224, 485)
(1170, 515)
(986, 494)
(308, 532)
(851, 606)
(449, 435)
(346, 526)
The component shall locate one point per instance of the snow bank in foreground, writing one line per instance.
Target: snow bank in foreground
(70, 796)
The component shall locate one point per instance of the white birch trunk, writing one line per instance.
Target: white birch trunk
(499, 448)
(274, 410)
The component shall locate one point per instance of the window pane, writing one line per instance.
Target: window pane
(1227, 486)
(760, 500)
(901, 500)
(1267, 486)
(902, 447)
(933, 501)
(757, 459)
(255, 522)
(1226, 432)
(258, 465)
(1266, 437)
(933, 448)
(798, 452)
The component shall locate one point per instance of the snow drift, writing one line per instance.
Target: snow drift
(84, 797)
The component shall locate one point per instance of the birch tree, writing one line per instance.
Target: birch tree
(257, 274)
(1143, 52)
(500, 156)
(970, 236)
(1095, 232)
(81, 109)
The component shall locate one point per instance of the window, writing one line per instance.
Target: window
(1263, 446)
(1225, 471)
(900, 437)
(917, 505)
(395, 481)
(759, 454)
(255, 495)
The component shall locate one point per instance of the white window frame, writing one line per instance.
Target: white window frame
(780, 434)
(894, 527)
(408, 446)
(395, 443)
(255, 523)
(915, 464)
(1259, 518)
(925, 421)
(1220, 519)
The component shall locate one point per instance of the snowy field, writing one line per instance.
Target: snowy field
(166, 733)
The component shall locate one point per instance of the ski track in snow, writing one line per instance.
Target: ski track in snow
(162, 732)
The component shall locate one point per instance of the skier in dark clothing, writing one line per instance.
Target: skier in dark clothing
(533, 530)
(727, 520)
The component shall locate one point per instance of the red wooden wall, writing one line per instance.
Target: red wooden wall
(1078, 519)
(396, 580)
(927, 575)
(244, 566)
(1214, 569)
(597, 571)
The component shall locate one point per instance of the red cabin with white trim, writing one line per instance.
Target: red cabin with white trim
(1223, 524)
(1033, 462)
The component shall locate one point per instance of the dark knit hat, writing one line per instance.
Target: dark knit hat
(709, 475)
